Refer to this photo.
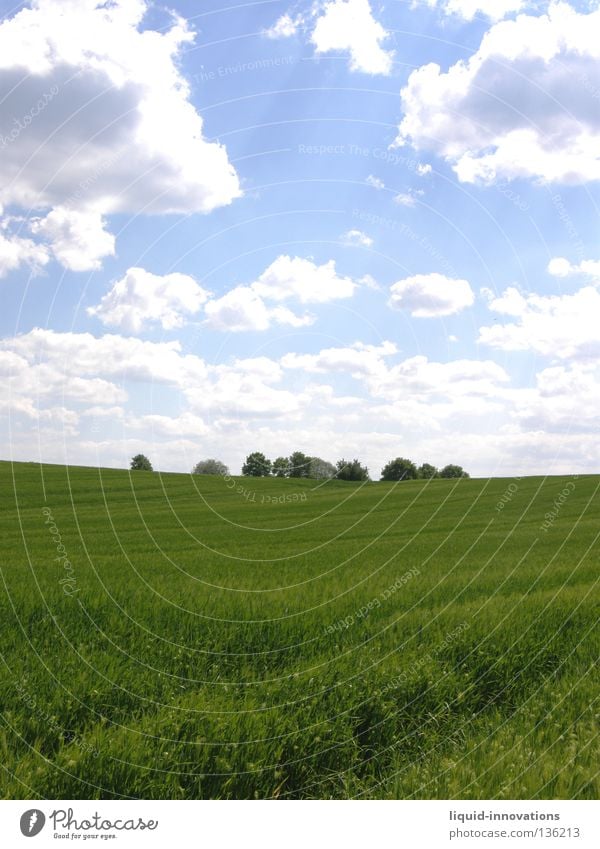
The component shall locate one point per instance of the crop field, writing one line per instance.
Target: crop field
(178, 636)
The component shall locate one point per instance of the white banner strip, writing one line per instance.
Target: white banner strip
(297, 825)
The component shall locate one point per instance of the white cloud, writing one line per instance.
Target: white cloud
(45, 365)
(246, 308)
(187, 424)
(415, 392)
(463, 410)
(469, 9)
(32, 384)
(523, 105)
(369, 282)
(350, 25)
(557, 326)
(561, 267)
(375, 182)
(103, 412)
(357, 237)
(15, 251)
(564, 399)
(431, 295)
(284, 27)
(141, 298)
(243, 309)
(423, 169)
(78, 240)
(106, 124)
(420, 379)
(405, 199)
(113, 356)
(359, 360)
(295, 277)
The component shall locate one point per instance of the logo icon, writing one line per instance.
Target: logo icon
(32, 822)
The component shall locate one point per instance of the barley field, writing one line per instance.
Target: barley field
(178, 636)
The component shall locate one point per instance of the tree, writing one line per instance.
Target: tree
(299, 465)
(452, 471)
(320, 469)
(351, 470)
(426, 471)
(281, 467)
(399, 469)
(141, 463)
(210, 467)
(256, 465)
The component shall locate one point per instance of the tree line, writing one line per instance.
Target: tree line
(300, 465)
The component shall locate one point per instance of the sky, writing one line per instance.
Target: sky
(351, 228)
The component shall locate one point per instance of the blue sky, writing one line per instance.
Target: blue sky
(346, 227)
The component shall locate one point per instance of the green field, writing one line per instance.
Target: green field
(168, 636)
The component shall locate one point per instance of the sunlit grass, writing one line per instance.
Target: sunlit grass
(387, 641)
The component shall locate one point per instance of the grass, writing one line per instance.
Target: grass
(280, 638)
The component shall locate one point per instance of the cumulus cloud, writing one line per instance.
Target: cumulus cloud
(243, 309)
(375, 182)
(408, 198)
(358, 359)
(349, 25)
(422, 379)
(111, 355)
(357, 237)
(141, 298)
(557, 326)
(106, 124)
(431, 295)
(469, 9)
(524, 105)
(94, 370)
(561, 267)
(287, 278)
(15, 251)
(295, 277)
(566, 398)
(284, 27)
(259, 401)
(415, 392)
(78, 240)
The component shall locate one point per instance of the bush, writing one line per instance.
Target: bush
(256, 465)
(452, 471)
(210, 467)
(321, 469)
(141, 463)
(299, 465)
(281, 467)
(398, 470)
(351, 470)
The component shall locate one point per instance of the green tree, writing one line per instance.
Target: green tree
(351, 470)
(141, 463)
(256, 465)
(452, 471)
(427, 471)
(399, 469)
(299, 465)
(281, 467)
(320, 469)
(210, 467)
